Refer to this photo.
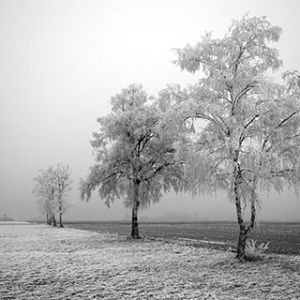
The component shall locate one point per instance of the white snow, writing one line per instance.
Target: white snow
(42, 262)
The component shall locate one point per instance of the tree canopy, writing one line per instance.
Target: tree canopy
(135, 153)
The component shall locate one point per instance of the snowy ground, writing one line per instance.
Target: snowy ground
(41, 262)
(13, 222)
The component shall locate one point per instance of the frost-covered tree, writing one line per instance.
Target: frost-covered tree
(248, 133)
(45, 191)
(135, 154)
(52, 186)
(62, 183)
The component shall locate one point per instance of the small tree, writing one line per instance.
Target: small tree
(45, 190)
(60, 177)
(249, 134)
(52, 186)
(135, 154)
(45, 209)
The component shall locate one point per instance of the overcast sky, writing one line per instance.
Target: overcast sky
(62, 60)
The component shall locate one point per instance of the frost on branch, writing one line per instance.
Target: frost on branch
(52, 187)
(250, 134)
(135, 153)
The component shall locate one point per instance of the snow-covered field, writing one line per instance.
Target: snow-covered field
(41, 262)
(13, 222)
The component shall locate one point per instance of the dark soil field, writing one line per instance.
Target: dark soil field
(284, 238)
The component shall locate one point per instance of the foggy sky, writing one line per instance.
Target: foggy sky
(61, 61)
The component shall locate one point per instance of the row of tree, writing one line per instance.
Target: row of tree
(51, 187)
(235, 130)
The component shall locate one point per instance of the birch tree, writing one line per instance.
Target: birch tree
(249, 133)
(135, 154)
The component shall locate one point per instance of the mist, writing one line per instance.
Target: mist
(61, 61)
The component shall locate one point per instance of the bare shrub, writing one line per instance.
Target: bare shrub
(254, 251)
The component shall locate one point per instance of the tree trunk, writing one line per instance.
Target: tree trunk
(53, 220)
(253, 201)
(136, 203)
(48, 219)
(243, 232)
(243, 235)
(60, 213)
(241, 255)
(60, 220)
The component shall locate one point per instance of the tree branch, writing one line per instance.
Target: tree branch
(251, 121)
(286, 119)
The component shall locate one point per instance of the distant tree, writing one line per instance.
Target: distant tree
(5, 217)
(248, 126)
(52, 186)
(62, 183)
(135, 154)
(45, 209)
(45, 190)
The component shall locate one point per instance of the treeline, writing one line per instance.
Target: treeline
(236, 130)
